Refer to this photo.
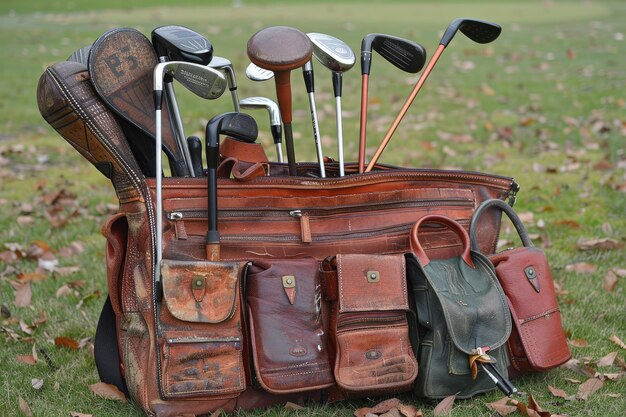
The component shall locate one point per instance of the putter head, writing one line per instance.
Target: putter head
(479, 31)
(179, 43)
(404, 54)
(240, 126)
(201, 80)
(331, 52)
(256, 73)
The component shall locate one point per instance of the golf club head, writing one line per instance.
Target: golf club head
(201, 80)
(179, 43)
(331, 52)
(223, 64)
(263, 103)
(479, 31)
(240, 126)
(256, 73)
(404, 54)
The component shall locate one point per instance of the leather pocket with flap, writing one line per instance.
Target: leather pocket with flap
(373, 350)
(201, 343)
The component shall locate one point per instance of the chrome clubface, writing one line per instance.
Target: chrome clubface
(333, 53)
(256, 73)
(263, 102)
(201, 80)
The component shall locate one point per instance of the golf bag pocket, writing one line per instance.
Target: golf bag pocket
(373, 351)
(287, 335)
(201, 342)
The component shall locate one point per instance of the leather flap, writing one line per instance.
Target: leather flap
(200, 292)
(371, 282)
(474, 306)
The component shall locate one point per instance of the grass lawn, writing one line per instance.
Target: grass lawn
(544, 104)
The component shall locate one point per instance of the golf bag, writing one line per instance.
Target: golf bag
(189, 335)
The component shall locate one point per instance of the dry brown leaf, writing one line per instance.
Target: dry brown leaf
(24, 408)
(408, 410)
(581, 268)
(362, 412)
(293, 406)
(558, 392)
(445, 406)
(611, 376)
(579, 343)
(587, 388)
(63, 290)
(23, 294)
(502, 406)
(394, 412)
(617, 341)
(602, 243)
(610, 280)
(36, 276)
(67, 270)
(385, 406)
(68, 342)
(108, 391)
(573, 381)
(27, 359)
(607, 360)
(216, 413)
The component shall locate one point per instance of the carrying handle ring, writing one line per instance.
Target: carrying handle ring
(517, 222)
(453, 225)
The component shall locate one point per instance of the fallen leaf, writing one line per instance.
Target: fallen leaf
(581, 268)
(27, 359)
(63, 341)
(408, 410)
(617, 341)
(216, 413)
(611, 376)
(587, 388)
(394, 412)
(293, 406)
(385, 406)
(5, 312)
(23, 294)
(36, 383)
(610, 280)
(445, 406)
(24, 408)
(558, 392)
(63, 290)
(607, 360)
(36, 276)
(573, 381)
(362, 412)
(572, 224)
(579, 343)
(502, 407)
(75, 414)
(603, 243)
(108, 391)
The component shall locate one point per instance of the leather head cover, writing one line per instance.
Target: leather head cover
(279, 48)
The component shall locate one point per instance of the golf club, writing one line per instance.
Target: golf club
(81, 55)
(403, 54)
(281, 49)
(240, 126)
(309, 81)
(223, 64)
(195, 150)
(205, 82)
(178, 43)
(256, 73)
(477, 30)
(275, 122)
(337, 56)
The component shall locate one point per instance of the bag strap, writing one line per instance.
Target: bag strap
(106, 351)
(508, 210)
(453, 225)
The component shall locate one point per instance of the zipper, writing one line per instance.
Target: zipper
(193, 339)
(369, 320)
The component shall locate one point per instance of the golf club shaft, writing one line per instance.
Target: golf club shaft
(316, 134)
(363, 128)
(159, 201)
(405, 106)
(339, 136)
(179, 132)
(291, 154)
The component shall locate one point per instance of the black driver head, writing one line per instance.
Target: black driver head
(178, 43)
(479, 31)
(240, 126)
(404, 54)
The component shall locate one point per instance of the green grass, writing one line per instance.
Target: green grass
(549, 92)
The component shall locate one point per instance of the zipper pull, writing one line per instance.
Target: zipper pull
(305, 226)
(179, 225)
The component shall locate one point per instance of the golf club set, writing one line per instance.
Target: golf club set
(303, 291)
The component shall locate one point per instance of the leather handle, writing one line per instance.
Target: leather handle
(453, 225)
(506, 209)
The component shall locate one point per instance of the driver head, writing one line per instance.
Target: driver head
(178, 43)
(333, 53)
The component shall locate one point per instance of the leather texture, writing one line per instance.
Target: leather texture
(373, 351)
(537, 341)
(287, 334)
(460, 308)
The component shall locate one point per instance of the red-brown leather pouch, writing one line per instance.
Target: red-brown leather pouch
(201, 339)
(286, 331)
(373, 351)
(537, 342)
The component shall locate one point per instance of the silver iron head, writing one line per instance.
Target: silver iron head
(201, 80)
(256, 73)
(263, 102)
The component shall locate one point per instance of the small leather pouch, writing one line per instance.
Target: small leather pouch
(537, 341)
(371, 334)
(202, 340)
(285, 320)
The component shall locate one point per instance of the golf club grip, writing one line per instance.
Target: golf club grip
(405, 107)
(363, 126)
(291, 155)
(195, 151)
